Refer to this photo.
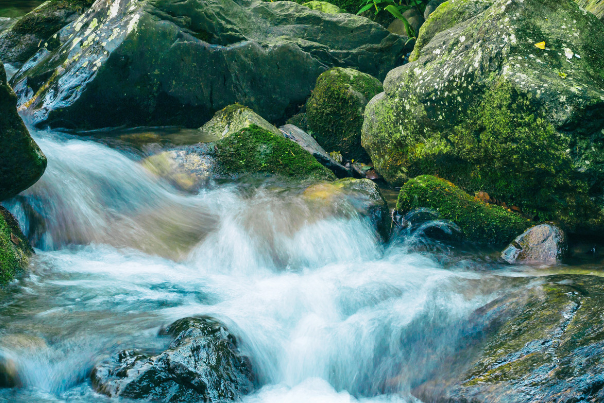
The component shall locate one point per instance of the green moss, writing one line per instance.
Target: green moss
(479, 222)
(254, 150)
(14, 247)
(335, 110)
(348, 6)
(323, 6)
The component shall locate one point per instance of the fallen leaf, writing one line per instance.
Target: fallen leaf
(14, 239)
(540, 45)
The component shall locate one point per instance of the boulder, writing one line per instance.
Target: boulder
(232, 119)
(347, 197)
(15, 249)
(171, 62)
(323, 7)
(595, 7)
(37, 29)
(203, 364)
(541, 244)
(335, 110)
(413, 17)
(479, 222)
(501, 98)
(308, 143)
(22, 162)
(540, 343)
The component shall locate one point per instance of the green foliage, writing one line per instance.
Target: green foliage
(254, 150)
(396, 9)
(14, 247)
(480, 222)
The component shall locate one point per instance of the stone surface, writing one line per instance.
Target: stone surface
(15, 249)
(232, 119)
(413, 17)
(484, 107)
(22, 162)
(431, 6)
(323, 7)
(203, 363)
(362, 196)
(541, 244)
(169, 62)
(308, 143)
(539, 343)
(479, 222)
(37, 28)
(335, 110)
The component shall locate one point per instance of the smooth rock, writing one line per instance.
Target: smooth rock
(308, 143)
(541, 244)
(176, 63)
(203, 363)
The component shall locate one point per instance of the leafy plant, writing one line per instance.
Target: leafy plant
(396, 9)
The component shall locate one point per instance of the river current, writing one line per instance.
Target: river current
(325, 311)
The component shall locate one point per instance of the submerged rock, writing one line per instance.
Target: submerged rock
(15, 249)
(335, 110)
(479, 222)
(540, 343)
(232, 119)
(486, 108)
(363, 196)
(541, 244)
(22, 162)
(176, 63)
(203, 363)
(307, 142)
(38, 28)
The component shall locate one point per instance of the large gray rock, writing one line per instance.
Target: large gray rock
(177, 62)
(36, 29)
(21, 160)
(202, 364)
(486, 108)
(541, 244)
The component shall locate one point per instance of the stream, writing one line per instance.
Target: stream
(325, 312)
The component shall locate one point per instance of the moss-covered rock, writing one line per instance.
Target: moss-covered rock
(345, 6)
(484, 107)
(593, 6)
(14, 247)
(255, 150)
(335, 110)
(323, 7)
(232, 119)
(37, 29)
(540, 343)
(479, 222)
(22, 162)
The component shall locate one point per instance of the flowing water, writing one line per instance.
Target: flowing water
(325, 312)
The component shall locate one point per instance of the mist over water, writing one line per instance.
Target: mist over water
(325, 312)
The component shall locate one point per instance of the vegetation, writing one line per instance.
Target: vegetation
(396, 8)
(14, 247)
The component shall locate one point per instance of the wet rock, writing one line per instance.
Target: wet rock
(540, 343)
(15, 249)
(38, 28)
(232, 119)
(335, 110)
(362, 196)
(323, 7)
(413, 17)
(484, 107)
(21, 160)
(431, 6)
(541, 244)
(595, 7)
(176, 63)
(203, 363)
(308, 143)
(479, 222)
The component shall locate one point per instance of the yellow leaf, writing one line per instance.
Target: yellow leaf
(540, 45)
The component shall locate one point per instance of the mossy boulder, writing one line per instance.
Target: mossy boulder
(323, 7)
(539, 343)
(479, 222)
(335, 110)
(595, 7)
(487, 109)
(169, 62)
(202, 364)
(22, 162)
(15, 250)
(37, 29)
(256, 151)
(232, 119)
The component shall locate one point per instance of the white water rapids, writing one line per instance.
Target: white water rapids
(324, 311)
